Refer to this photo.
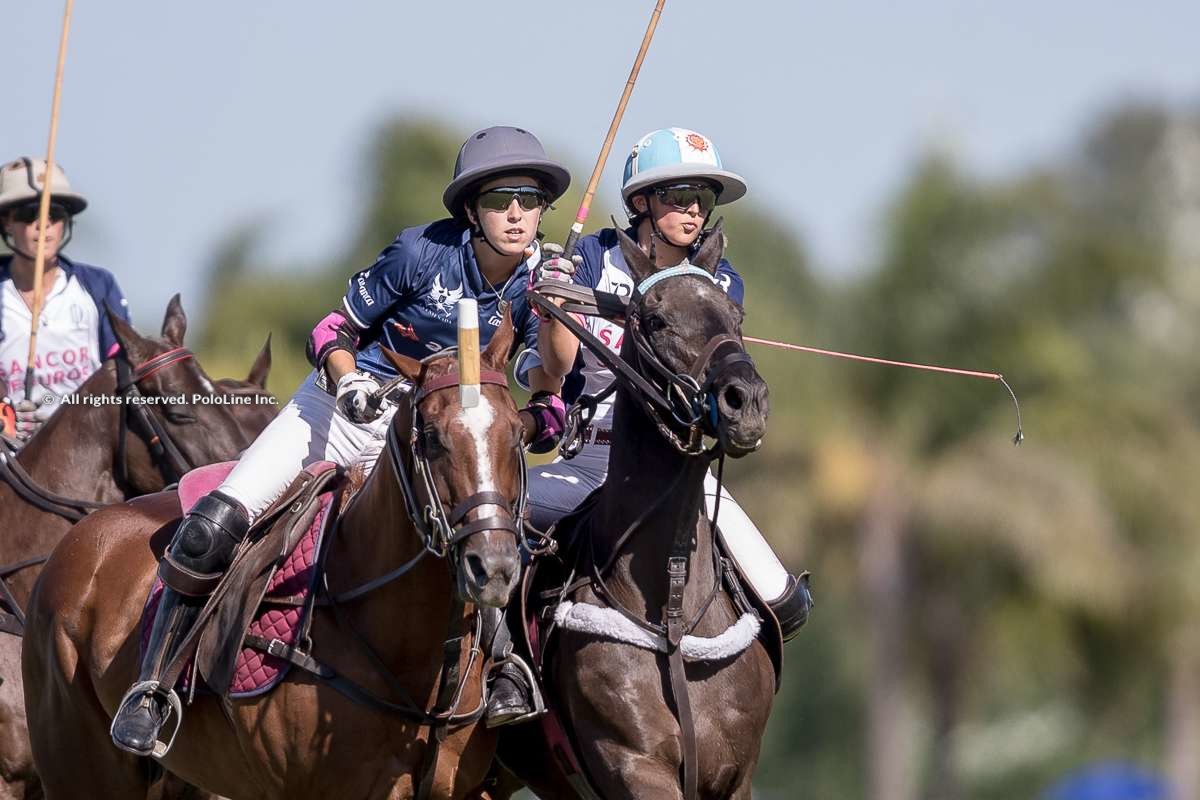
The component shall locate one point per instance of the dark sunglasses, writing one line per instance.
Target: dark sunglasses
(29, 213)
(501, 198)
(683, 195)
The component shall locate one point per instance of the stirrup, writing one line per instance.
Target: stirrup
(135, 694)
(536, 701)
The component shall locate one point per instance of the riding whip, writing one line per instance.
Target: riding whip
(39, 261)
(585, 204)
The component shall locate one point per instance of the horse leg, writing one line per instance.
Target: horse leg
(19, 778)
(621, 772)
(68, 726)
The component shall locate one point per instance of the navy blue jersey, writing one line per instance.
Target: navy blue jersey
(604, 268)
(407, 300)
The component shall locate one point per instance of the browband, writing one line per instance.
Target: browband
(671, 272)
(451, 379)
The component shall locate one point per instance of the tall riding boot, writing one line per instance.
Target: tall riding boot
(791, 608)
(199, 554)
(512, 694)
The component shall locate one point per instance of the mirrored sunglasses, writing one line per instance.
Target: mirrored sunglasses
(683, 196)
(501, 197)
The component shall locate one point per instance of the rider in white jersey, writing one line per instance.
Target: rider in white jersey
(74, 334)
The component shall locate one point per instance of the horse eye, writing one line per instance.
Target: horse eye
(431, 442)
(179, 417)
(655, 323)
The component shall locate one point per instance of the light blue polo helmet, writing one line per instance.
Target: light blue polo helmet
(670, 154)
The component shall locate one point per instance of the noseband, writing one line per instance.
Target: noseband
(440, 529)
(171, 462)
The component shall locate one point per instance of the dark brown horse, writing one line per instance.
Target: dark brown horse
(645, 540)
(461, 470)
(78, 456)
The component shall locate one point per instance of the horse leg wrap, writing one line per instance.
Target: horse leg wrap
(203, 546)
(792, 607)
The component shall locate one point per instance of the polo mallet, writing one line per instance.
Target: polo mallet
(585, 204)
(468, 352)
(39, 260)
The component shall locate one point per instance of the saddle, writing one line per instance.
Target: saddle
(264, 602)
(549, 580)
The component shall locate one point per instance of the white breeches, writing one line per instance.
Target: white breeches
(307, 430)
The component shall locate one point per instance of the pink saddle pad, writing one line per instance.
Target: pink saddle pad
(255, 672)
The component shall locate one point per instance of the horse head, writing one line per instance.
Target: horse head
(683, 326)
(170, 403)
(465, 467)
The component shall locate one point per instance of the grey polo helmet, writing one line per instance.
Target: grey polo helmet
(502, 150)
(21, 182)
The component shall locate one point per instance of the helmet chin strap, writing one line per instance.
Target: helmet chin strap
(656, 233)
(11, 244)
(477, 232)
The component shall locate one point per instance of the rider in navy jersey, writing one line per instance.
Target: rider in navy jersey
(407, 301)
(74, 334)
(672, 181)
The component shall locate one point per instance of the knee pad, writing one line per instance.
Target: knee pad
(203, 545)
(792, 608)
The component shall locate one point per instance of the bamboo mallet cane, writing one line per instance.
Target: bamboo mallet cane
(468, 352)
(39, 260)
(586, 203)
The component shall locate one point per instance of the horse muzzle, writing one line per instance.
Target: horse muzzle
(489, 568)
(742, 409)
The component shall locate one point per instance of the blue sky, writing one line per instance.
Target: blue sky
(180, 120)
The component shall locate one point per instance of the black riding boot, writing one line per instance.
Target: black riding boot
(512, 695)
(197, 557)
(792, 607)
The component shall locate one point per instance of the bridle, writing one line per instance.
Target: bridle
(135, 415)
(443, 529)
(682, 405)
(171, 463)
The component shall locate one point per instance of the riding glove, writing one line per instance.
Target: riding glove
(355, 397)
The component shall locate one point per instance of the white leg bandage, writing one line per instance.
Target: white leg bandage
(755, 558)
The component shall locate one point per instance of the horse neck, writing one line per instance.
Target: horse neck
(71, 456)
(646, 470)
(406, 618)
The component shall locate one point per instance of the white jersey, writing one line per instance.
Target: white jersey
(69, 347)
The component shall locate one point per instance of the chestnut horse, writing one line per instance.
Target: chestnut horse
(461, 472)
(77, 456)
(647, 552)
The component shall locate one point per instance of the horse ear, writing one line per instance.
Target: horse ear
(638, 262)
(500, 346)
(713, 248)
(136, 348)
(261, 366)
(174, 322)
(410, 368)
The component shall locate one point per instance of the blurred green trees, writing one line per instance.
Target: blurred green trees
(988, 617)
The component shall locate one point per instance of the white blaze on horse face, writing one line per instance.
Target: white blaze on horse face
(478, 422)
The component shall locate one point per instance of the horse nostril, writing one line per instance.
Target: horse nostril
(476, 570)
(734, 397)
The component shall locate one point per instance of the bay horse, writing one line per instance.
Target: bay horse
(644, 721)
(84, 457)
(445, 468)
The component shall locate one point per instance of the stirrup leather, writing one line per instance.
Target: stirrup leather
(174, 706)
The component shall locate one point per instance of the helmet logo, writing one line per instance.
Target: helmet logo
(697, 142)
